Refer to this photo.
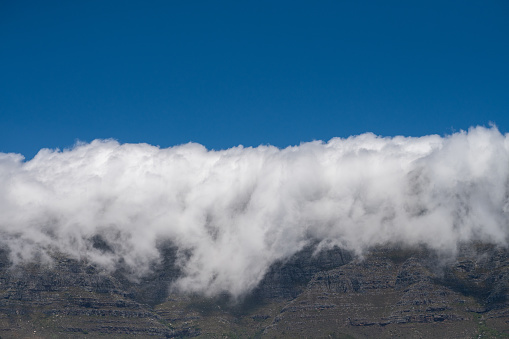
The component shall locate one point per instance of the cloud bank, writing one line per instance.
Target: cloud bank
(232, 213)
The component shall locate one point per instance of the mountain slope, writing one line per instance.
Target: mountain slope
(391, 292)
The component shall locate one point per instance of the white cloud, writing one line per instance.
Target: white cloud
(239, 210)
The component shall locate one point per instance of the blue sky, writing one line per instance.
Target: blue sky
(224, 73)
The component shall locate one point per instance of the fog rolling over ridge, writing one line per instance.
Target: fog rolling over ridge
(232, 213)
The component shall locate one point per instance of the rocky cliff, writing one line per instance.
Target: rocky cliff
(391, 292)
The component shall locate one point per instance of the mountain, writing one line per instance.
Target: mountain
(407, 292)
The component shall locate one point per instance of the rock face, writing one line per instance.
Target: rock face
(392, 292)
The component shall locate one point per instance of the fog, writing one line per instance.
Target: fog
(232, 213)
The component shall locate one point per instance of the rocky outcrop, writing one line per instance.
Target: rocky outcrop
(287, 279)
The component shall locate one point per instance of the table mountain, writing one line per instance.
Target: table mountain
(391, 291)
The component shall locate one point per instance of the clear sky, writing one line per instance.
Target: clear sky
(224, 73)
